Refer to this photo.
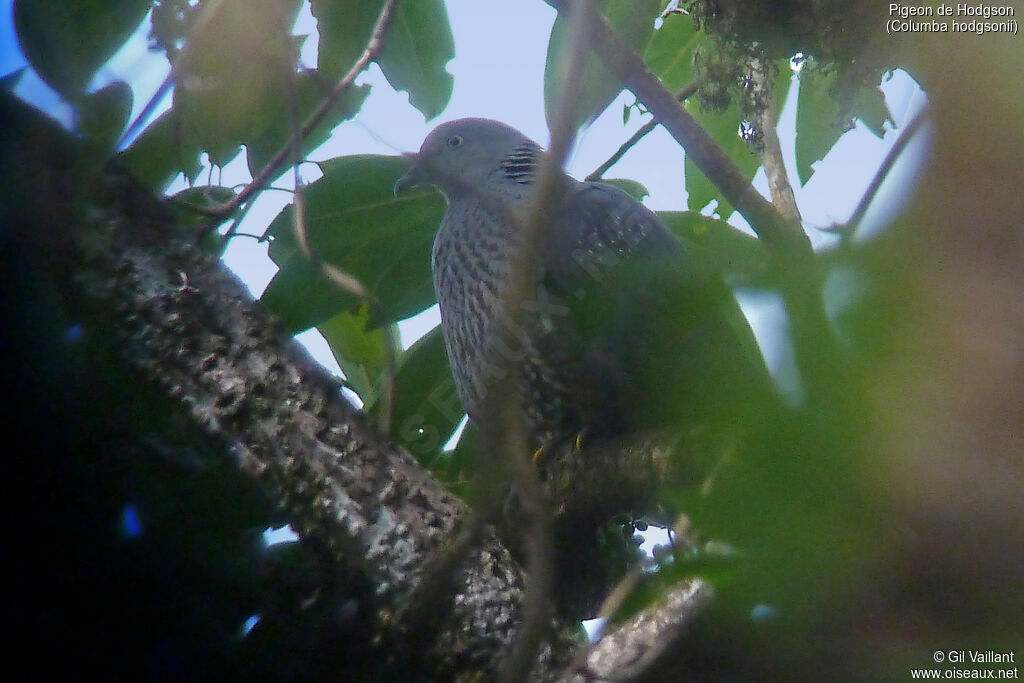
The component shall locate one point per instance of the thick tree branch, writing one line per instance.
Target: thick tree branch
(629, 652)
(180, 322)
(771, 152)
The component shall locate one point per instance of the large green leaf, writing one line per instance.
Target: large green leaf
(272, 128)
(355, 222)
(67, 41)
(418, 46)
(724, 129)
(670, 53)
(817, 120)
(344, 29)
(716, 245)
(102, 117)
(159, 153)
(11, 80)
(235, 67)
(361, 353)
(427, 407)
(631, 187)
(633, 21)
(416, 49)
(872, 110)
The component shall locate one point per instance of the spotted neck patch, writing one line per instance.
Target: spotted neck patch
(521, 163)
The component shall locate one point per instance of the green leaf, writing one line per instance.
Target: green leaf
(272, 128)
(361, 353)
(872, 110)
(344, 29)
(67, 42)
(817, 125)
(102, 117)
(460, 468)
(631, 187)
(670, 53)
(427, 407)
(355, 222)
(724, 129)
(160, 153)
(716, 245)
(417, 47)
(633, 21)
(206, 196)
(235, 68)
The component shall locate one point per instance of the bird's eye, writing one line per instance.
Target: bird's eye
(455, 141)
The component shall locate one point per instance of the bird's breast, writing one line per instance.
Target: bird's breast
(470, 264)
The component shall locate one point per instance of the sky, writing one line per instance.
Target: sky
(498, 73)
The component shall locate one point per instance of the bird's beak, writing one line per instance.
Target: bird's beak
(412, 177)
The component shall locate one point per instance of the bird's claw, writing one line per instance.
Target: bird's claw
(577, 446)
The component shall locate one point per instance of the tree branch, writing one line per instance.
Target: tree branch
(356, 501)
(629, 652)
(682, 96)
(882, 173)
(771, 152)
(786, 239)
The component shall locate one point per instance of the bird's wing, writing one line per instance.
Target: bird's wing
(598, 227)
(645, 327)
(597, 249)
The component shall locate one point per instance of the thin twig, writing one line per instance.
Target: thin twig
(598, 172)
(272, 167)
(881, 174)
(232, 230)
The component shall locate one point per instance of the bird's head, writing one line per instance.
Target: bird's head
(459, 156)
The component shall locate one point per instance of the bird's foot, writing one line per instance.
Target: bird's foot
(538, 455)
